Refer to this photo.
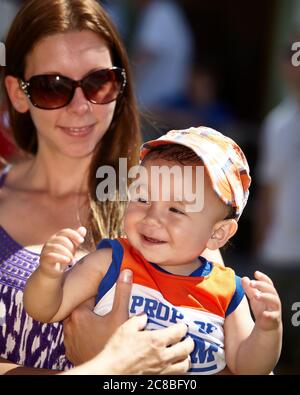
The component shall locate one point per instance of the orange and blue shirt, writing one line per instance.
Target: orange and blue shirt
(201, 300)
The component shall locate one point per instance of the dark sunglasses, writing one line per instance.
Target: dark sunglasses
(50, 91)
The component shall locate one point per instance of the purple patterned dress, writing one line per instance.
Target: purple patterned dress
(23, 340)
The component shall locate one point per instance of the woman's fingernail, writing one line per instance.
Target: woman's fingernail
(82, 231)
(127, 276)
(57, 267)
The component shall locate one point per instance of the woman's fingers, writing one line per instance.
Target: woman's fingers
(171, 335)
(136, 323)
(140, 351)
(177, 368)
(179, 351)
(163, 338)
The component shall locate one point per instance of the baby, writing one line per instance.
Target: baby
(169, 222)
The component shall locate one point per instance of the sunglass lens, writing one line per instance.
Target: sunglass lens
(103, 86)
(50, 91)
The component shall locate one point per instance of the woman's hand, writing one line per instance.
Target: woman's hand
(134, 351)
(86, 333)
(131, 350)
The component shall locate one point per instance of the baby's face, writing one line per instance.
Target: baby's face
(170, 218)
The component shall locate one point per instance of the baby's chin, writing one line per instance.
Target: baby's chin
(152, 257)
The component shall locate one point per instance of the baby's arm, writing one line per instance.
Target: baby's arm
(249, 348)
(51, 293)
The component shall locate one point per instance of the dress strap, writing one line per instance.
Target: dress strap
(3, 174)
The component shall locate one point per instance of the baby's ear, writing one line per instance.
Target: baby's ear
(221, 233)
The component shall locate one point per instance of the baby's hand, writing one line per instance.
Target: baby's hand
(59, 251)
(264, 301)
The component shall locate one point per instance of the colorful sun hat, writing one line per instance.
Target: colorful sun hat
(224, 160)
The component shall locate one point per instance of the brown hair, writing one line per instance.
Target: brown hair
(38, 19)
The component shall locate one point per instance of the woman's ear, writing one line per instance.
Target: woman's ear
(16, 95)
(221, 233)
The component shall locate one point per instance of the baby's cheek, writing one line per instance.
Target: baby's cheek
(131, 220)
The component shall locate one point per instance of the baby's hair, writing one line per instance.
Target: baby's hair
(231, 213)
(173, 152)
(183, 155)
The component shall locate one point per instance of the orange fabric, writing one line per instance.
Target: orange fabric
(211, 293)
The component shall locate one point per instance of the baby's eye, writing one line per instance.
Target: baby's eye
(176, 211)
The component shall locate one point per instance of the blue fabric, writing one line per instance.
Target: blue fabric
(114, 269)
(201, 271)
(237, 296)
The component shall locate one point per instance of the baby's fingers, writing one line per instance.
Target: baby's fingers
(58, 249)
(75, 236)
(82, 231)
(271, 301)
(272, 315)
(250, 291)
(262, 277)
(54, 263)
(263, 286)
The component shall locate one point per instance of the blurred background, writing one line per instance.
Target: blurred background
(228, 65)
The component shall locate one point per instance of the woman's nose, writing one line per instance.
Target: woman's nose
(79, 103)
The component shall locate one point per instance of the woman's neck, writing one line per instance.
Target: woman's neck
(57, 175)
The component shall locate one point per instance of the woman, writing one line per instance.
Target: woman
(72, 109)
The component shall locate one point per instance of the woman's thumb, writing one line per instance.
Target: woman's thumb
(122, 294)
(126, 277)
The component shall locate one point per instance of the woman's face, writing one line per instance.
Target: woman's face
(73, 130)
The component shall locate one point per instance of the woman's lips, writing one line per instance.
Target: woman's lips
(78, 131)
